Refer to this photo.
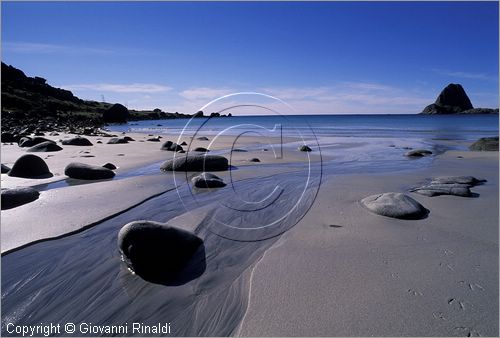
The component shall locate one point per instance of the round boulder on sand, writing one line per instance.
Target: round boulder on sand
(418, 153)
(77, 141)
(196, 163)
(15, 197)
(84, 171)
(109, 166)
(202, 138)
(201, 150)
(254, 159)
(468, 180)
(5, 169)
(208, 180)
(30, 166)
(156, 252)
(30, 142)
(44, 147)
(117, 140)
(395, 205)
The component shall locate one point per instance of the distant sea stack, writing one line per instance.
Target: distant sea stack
(454, 100)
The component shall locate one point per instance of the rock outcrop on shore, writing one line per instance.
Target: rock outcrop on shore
(454, 100)
(449, 185)
(154, 251)
(485, 144)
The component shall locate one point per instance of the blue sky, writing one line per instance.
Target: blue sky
(321, 57)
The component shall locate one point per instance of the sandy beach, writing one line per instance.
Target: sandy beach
(340, 271)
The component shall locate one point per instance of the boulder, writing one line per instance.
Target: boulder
(237, 150)
(15, 197)
(196, 163)
(468, 180)
(304, 148)
(395, 205)
(109, 166)
(171, 146)
(183, 143)
(418, 153)
(30, 166)
(116, 113)
(485, 144)
(201, 150)
(207, 180)
(77, 141)
(154, 251)
(7, 137)
(30, 142)
(84, 171)
(128, 138)
(255, 159)
(5, 169)
(202, 138)
(44, 147)
(117, 140)
(451, 100)
(153, 139)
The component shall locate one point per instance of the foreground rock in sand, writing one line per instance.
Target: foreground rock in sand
(44, 147)
(485, 144)
(30, 166)
(156, 251)
(84, 171)
(304, 148)
(15, 197)
(208, 180)
(30, 142)
(77, 141)
(196, 163)
(395, 205)
(5, 169)
(418, 153)
(171, 146)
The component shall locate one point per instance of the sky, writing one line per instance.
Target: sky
(319, 57)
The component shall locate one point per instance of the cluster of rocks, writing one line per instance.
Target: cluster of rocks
(402, 206)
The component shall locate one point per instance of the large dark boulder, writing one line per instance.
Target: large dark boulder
(44, 147)
(201, 150)
(418, 153)
(116, 113)
(117, 140)
(8, 137)
(84, 171)
(451, 100)
(485, 144)
(30, 166)
(171, 146)
(156, 252)
(15, 197)
(395, 205)
(196, 163)
(77, 141)
(305, 148)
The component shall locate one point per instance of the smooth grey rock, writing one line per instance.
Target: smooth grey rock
(77, 141)
(117, 140)
(395, 205)
(468, 180)
(443, 189)
(208, 180)
(15, 197)
(84, 171)
(202, 138)
(255, 159)
(44, 147)
(304, 148)
(485, 144)
(30, 142)
(171, 146)
(30, 166)
(183, 143)
(418, 153)
(196, 163)
(154, 251)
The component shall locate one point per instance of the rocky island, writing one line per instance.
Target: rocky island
(454, 100)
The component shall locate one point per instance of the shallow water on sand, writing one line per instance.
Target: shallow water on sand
(81, 279)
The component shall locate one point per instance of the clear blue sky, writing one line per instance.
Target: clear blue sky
(333, 57)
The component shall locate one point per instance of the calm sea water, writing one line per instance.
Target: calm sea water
(349, 143)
